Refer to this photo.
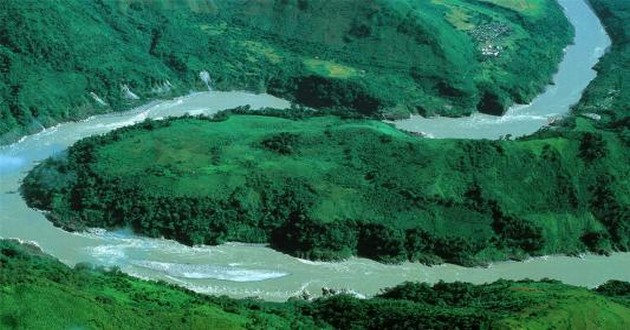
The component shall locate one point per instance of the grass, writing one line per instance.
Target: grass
(564, 229)
(330, 69)
(527, 7)
(570, 308)
(39, 292)
(266, 51)
(45, 304)
(213, 30)
(458, 15)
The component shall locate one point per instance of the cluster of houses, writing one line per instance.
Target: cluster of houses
(488, 35)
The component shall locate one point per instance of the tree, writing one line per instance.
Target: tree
(592, 147)
(380, 242)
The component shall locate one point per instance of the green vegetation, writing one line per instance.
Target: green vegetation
(66, 60)
(618, 290)
(326, 188)
(529, 7)
(322, 187)
(605, 96)
(39, 292)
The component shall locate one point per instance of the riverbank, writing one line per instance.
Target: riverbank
(40, 292)
(574, 73)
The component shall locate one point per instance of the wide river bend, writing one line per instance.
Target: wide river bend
(242, 270)
(574, 74)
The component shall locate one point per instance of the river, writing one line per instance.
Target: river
(242, 270)
(574, 74)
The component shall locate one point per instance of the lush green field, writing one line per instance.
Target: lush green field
(39, 292)
(374, 57)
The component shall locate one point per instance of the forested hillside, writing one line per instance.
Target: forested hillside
(39, 292)
(327, 188)
(323, 187)
(65, 60)
(309, 183)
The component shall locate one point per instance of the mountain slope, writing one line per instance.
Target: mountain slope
(65, 60)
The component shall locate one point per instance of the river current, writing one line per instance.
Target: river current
(242, 270)
(574, 74)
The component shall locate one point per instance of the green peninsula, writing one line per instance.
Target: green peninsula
(323, 187)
